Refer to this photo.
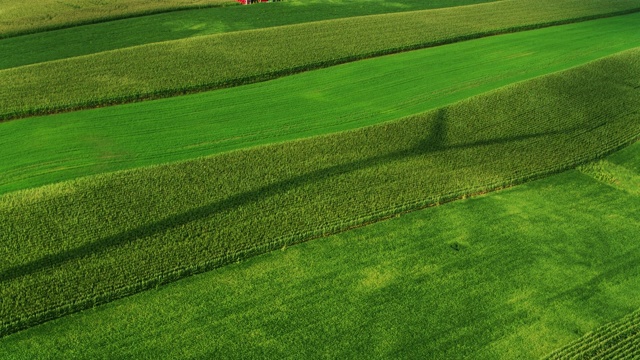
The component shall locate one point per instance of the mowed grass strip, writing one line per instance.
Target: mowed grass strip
(23, 17)
(616, 340)
(348, 96)
(108, 236)
(511, 275)
(208, 62)
(89, 39)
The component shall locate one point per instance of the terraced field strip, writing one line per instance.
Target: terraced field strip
(94, 38)
(616, 340)
(209, 62)
(24, 17)
(510, 275)
(108, 236)
(362, 93)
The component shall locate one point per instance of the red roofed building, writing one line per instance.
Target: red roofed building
(246, 2)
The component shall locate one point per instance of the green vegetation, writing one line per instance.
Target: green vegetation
(207, 62)
(616, 340)
(89, 39)
(21, 17)
(614, 175)
(124, 232)
(141, 195)
(361, 93)
(538, 266)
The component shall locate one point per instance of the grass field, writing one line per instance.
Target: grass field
(125, 232)
(20, 17)
(510, 275)
(360, 93)
(207, 62)
(165, 228)
(83, 40)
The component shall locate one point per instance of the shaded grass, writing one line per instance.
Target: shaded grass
(231, 59)
(108, 236)
(77, 41)
(339, 98)
(545, 263)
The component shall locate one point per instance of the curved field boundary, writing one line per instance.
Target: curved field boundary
(174, 25)
(108, 236)
(28, 17)
(361, 93)
(616, 340)
(209, 62)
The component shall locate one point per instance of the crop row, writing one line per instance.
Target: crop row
(107, 236)
(223, 60)
(111, 35)
(25, 17)
(361, 93)
(620, 339)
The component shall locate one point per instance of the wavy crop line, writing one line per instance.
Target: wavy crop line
(211, 62)
(616, 340)
(108, 236)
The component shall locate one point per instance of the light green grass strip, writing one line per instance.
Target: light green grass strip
(511, 275)
(22, 17)
(108, 236)
(208, 62)
(89, 39)
(339, 98)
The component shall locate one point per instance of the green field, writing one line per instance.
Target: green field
(297, 180)
(511, 275)
(153, 225)
(230, 59)
(20, 17)
(83, 40)
(360, 93)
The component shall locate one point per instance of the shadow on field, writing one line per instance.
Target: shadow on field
(434, 142)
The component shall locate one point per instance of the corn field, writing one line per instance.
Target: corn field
(223, 60)
(107, 236)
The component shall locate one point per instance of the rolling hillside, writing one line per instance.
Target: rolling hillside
(360, 93)
(373, 178)
(512, 274)
(217, 61)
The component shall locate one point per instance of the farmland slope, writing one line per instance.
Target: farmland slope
(124, 232)
(511, 275)
(111, 35)
(208, 62)
(21, 17)
(360, 93)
